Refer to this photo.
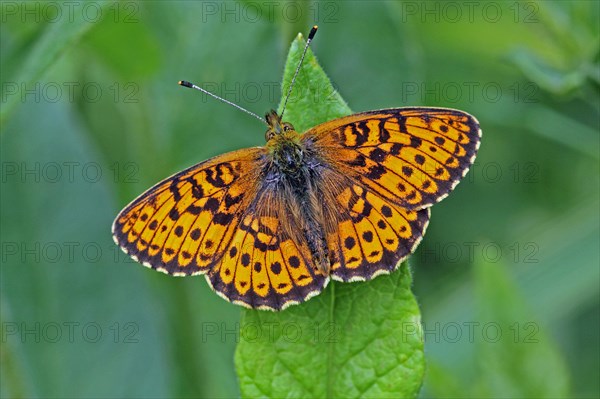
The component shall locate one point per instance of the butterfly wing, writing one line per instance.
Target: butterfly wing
(413, 157)
(265, 266)
(366, 234)
(382, 171)
(172, 226)
(373, 235)
(210, 219)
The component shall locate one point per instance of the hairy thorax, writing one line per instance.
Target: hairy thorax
(288, 153)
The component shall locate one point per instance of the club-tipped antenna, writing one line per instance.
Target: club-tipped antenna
(311, 35)
(193, 86)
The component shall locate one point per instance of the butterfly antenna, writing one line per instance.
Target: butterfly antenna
(311, 35)
(193, 86)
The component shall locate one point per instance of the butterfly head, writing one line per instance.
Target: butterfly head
(276, 126)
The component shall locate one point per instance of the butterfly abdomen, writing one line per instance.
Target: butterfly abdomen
(296, 169)
(311, 206)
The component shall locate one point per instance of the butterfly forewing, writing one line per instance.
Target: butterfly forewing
(412, 157)
(167, 227)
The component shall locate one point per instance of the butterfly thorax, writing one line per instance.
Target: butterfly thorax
(284, 145)
(287, 153)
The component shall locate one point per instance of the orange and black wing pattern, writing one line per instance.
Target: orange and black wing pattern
(263, 266)
(211, 219)
(373, 235)
(393, 165)
(176, 226)
(356, 206)
(365, 234)
(412, 157)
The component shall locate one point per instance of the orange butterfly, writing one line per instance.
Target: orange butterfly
(269, 226)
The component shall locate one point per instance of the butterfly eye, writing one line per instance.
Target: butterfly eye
(287, 127)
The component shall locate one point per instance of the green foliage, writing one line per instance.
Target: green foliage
(572, 56)
(515, 356)
(28, 62)
(313, 99)
(354, 339)
(524, 362)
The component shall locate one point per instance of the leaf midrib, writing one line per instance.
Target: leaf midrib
(331, 344)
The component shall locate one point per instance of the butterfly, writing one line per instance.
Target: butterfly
(269, 226)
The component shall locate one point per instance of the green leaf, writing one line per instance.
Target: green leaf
(354, 339)
(313, 99)
(571, 60)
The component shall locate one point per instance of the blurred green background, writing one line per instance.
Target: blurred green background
(507, 276)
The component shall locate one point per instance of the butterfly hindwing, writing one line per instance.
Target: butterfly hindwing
(262, 268)
(365, 234)
(373, 236)
(412, 157)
